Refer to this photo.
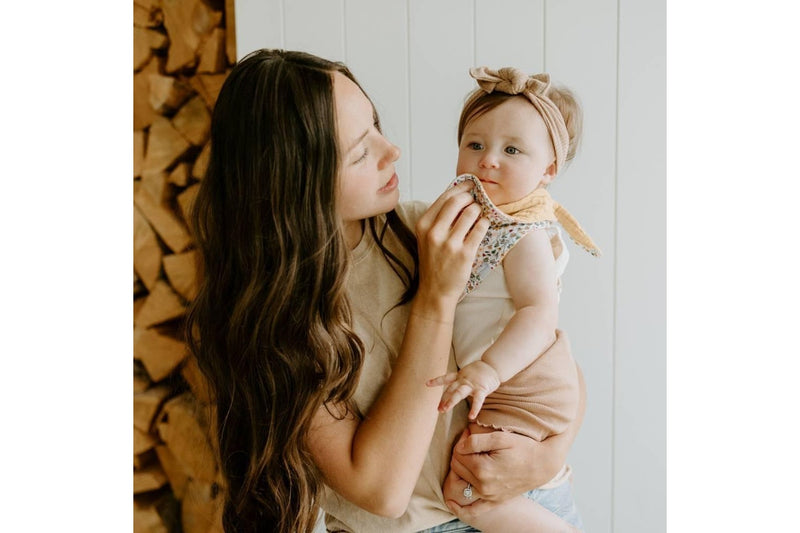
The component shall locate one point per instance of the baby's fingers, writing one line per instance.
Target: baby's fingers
(452, 396)
(447, 379)
(477, 402)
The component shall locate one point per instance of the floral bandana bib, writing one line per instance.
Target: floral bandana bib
(508, 223)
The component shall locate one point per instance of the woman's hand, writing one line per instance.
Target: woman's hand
(500, 465)
(448, 235)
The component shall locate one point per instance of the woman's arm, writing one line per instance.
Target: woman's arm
(501, 465)
(375, 462)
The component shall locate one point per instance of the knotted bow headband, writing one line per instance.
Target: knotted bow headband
(535, 88)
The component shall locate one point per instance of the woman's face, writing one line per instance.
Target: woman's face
(367, 178)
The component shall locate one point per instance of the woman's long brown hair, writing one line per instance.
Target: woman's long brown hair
(271, 325)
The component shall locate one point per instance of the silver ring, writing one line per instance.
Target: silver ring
(468, 491)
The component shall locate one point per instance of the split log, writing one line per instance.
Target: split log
(143, 112)
(138, 287)
(200, 507)
(146, 251)
(138, 303)
(181, 270)
(186, 201)
(143, 460)
(163, 220)
(192, 374)
(205, 18)
(183, 430)
(146, 17)
(201, 163)
(162, 304)
(150, 478)
(157, 39)
(141, 381)
(147, 4)
(160, 354)
(167, 93)
(216, 524)
(147, 520)
(193, 121)
(198, 86)
(146, 405)
(174, 470)
(143, 441)
(212, 83)
(180, 174)
(230, 31)
(141, 47)
(138, 153)
(212, 53)
(187, 22)
(156, 183)
(164, 145)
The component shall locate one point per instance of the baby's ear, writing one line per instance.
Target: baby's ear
(549, 174)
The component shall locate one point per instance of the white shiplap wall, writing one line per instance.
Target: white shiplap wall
(412, 58)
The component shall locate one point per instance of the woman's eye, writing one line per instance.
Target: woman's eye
(475, 146)
(511, 150)
(363, 157)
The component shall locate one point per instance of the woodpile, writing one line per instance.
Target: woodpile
(182, 51)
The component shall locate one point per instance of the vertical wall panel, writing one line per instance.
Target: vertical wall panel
(580, 52)
(376, 37)
(259, 24)
(640, 382)
(315, 27)
(441, 52)
(510, 33)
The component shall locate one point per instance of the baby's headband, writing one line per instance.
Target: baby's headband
(513, 81)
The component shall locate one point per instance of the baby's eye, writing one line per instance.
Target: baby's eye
(512, 150)
(475, 146)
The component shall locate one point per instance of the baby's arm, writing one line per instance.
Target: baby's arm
(530, 273)
(531, 280)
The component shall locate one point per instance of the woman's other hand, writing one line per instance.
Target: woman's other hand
(500, 465)
(448, 235)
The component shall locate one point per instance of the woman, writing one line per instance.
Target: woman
(320, 314)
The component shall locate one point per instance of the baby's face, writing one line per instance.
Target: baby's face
(509, 150)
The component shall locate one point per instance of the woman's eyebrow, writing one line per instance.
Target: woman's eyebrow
(360, 138)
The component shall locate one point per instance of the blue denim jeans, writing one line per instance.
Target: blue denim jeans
(559, 500)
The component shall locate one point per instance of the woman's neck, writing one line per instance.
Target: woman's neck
(353, 231)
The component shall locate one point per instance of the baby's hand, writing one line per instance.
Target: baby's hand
(477, 379)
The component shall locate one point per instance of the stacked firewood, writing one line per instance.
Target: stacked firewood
(182, 52)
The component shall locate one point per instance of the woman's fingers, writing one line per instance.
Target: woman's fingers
(459, 212)
(467, 218)
(476, 234)
(431, 215)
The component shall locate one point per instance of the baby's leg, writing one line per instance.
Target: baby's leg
(518, 514)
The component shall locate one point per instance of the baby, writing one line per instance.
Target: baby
(515, 134)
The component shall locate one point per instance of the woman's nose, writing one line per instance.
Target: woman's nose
(391, 153)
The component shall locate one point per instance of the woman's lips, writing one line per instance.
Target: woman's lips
(390, 185)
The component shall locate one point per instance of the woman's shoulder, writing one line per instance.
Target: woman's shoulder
(411, 211)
